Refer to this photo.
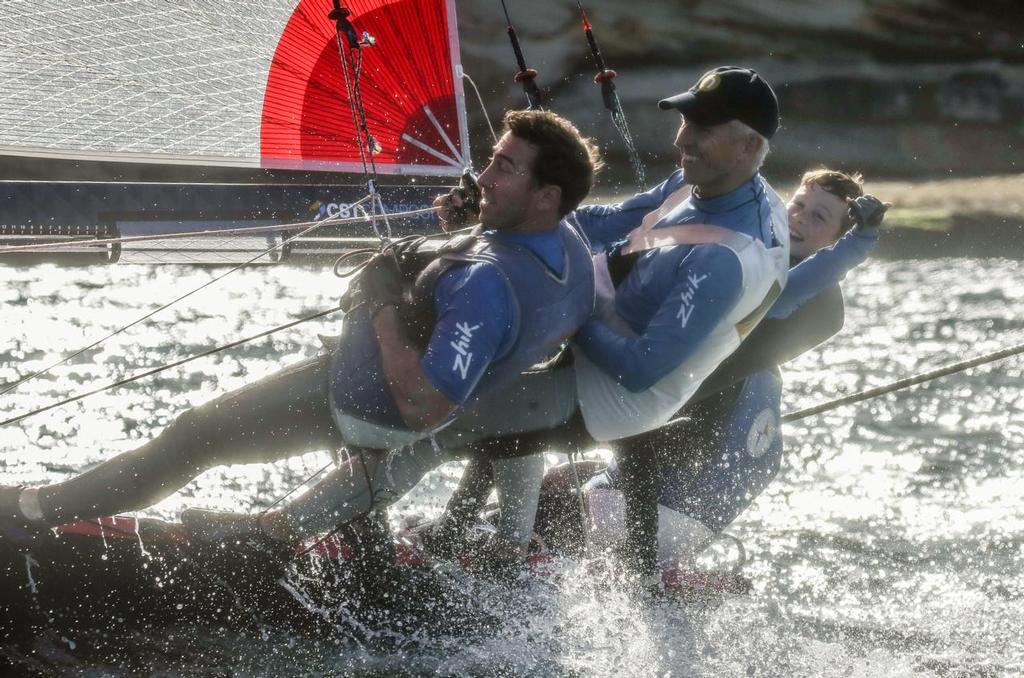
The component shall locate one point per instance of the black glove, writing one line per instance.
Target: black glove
(462, 204)
(380, 282)
(867, 211)
(413, 253)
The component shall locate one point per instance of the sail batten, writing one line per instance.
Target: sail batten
(408, 76)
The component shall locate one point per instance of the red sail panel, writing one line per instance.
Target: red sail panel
(411, 94)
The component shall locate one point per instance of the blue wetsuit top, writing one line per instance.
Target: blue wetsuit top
(674, 296)
(475, 313)
(823, 269)
(736, 432)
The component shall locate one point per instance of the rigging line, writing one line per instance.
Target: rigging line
(176, 363)
(251, 230)
(368, 146)
(483, 108)
(800, 414)
(296, 487)
(357, 99)
(7, 388)
(526, 76)
(907, 382)
(344, 27)
(581, 500)
(890, 387)
(364, 140)
(376, 203)
(606, 77)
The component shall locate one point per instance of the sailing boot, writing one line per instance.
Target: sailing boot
(499, 560)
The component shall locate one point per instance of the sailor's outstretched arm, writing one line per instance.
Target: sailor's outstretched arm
(777, 340)
(607, 224)
(829, 265)
(708, 283)
(824, 269)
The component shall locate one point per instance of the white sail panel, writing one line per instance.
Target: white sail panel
(140, 81)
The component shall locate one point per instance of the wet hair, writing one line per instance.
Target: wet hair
(839, 184)
(565, 158)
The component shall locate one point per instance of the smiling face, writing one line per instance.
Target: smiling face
(715, 159)
(512, 200)
(815, 220)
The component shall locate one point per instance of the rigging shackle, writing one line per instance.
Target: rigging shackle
(340, 16)
(606, 79)
(526, 76)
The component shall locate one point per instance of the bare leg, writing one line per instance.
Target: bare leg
(518, 483)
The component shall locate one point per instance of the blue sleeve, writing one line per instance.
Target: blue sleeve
(709, 283)
(823, 269)
(474, 325)
(604, 225)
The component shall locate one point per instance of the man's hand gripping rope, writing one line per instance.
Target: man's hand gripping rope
(460, 207)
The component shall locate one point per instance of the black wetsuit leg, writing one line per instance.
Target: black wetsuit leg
(284, 414)
(641, 487)
(463, 507)
(645, 460)
(560, 520)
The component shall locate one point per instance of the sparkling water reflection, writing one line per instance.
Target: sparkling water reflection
(890, 545)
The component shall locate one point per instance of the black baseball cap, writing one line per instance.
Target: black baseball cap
(729, 93)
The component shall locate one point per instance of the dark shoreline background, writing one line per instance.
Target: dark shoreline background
(978, 217)
(925, 97)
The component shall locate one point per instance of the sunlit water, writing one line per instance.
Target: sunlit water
(891, 544)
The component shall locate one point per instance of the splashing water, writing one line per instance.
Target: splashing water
(889, 545)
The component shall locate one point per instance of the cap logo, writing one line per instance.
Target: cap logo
(709, 82)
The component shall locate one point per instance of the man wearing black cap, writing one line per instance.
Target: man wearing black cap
(684, 271)
(722, 96)
(727, 118)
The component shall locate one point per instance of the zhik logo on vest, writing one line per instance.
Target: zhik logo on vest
(686, 297)
(463, 356)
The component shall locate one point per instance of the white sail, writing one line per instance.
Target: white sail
(186, 82)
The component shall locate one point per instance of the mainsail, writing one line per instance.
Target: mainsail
(212, 83)
(410, 85)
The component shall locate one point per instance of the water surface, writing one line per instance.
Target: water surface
(891, 544)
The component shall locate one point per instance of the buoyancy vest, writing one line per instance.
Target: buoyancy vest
(778, 340)
(609, 409)
(547, 307)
